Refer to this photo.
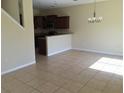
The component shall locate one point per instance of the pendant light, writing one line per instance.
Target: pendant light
(95, 19)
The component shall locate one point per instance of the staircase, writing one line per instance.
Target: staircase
(9, 20)
(12, 7)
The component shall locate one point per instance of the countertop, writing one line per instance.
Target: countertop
(49, 35)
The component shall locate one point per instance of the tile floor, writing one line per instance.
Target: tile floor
(68, 72)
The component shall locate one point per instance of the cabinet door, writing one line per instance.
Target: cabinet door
(62, 22)
(38, 22)
(42, 46)
(51, 19)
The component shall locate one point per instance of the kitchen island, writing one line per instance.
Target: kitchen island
(53, 44)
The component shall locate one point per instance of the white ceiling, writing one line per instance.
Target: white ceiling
(46, 4)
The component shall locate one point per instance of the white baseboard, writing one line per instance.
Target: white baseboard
(58, 52)
(95, 51)
(16, 68)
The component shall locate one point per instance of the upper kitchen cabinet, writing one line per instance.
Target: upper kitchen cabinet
(38, 22)
(62, 22)
(51, 22)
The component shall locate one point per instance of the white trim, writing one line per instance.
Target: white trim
(95, 51)
(16, 68)
(12, 18)
(58, 52)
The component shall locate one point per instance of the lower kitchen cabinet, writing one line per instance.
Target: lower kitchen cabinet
(42, 45)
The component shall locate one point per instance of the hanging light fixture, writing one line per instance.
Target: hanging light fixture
(95, 19)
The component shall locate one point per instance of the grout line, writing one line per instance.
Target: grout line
(88, 81)
(107, 83)
(29, 85)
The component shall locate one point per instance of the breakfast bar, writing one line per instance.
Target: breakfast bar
(53, 44)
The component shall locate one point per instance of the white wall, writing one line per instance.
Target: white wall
(105, 37)
(17, 43)
(12, 7)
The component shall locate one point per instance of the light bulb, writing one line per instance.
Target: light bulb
(89, 19)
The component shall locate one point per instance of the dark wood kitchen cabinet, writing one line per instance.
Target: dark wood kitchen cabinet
(38, 22)
(62, 22)
(51, 22)
(42, 45)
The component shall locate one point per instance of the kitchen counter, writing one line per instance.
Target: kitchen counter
(60, 34)
(55, 43)
(45, 35)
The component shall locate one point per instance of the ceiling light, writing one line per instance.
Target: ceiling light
(95, 19)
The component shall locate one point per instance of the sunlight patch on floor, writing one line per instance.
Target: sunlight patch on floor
(109, 65)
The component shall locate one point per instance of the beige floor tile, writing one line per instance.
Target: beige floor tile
(38, 72)
(116, 80)
(59, 81)
(48, 88)
(35, 91)
(113, 89)
(9, 83)
(35, 83)
(43, 75)
(20, 72)
(4, 91)
(88, 72)
(16, 86)
(68, 74)
(56, 70)
(103, 76)
(22, 89)
(114, 86)
(26, 69)
(34, 69)
(64, 66)
(75, 70)
(84, 76)
(118, 76)
(88, 90)
(8, 76)
(72, 86)
(96, 84)
(25, 77)
(61, 90)
(82, 79)
(5, 81)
